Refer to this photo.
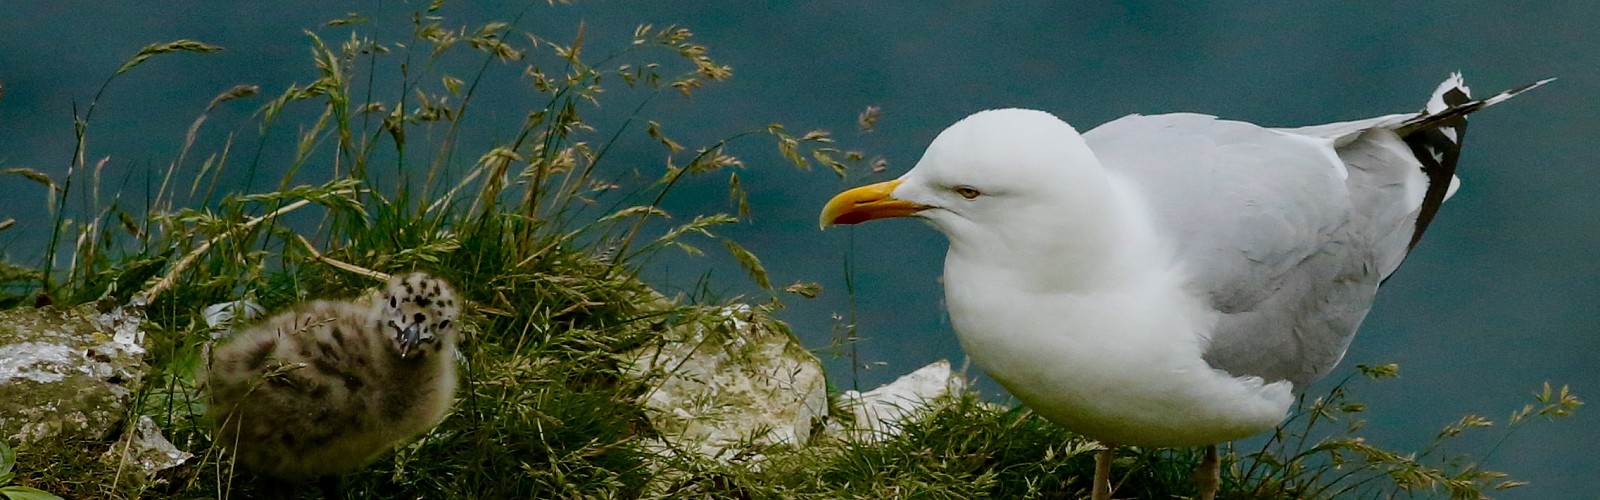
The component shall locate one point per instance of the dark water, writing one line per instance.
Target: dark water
(1503, 294)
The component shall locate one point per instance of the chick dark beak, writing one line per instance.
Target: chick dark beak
(409, 338)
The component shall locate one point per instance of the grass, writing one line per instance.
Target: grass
(544, 231)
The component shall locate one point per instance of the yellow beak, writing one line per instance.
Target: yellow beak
(867, 203)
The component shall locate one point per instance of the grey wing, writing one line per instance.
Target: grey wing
(1272, 229)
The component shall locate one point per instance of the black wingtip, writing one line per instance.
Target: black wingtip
(1436, 135)
(1431, 118)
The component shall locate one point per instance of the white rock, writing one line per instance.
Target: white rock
(67, 371)
(728, 390)
(222, 316)
(880, 413)
(38, 361)
(145, 452)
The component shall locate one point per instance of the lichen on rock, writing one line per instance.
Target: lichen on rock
(67, 372)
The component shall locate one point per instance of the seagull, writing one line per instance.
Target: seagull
(321, 389)
(1170, 280)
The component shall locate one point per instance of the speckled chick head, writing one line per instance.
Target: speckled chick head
(418, 313)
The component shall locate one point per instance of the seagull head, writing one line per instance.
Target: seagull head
(1003, 185)
(420, 312)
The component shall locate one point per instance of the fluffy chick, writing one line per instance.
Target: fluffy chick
(323, 388)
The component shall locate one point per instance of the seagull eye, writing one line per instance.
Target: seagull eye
(967, 192)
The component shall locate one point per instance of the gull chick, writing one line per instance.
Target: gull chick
(323, 388)
(1171, 280)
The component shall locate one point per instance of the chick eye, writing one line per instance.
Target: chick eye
(967, 192)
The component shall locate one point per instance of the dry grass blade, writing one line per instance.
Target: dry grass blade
(749, 262)
(868, 120)
(804, 289)
(237, 92)
(341, 265)
(156, 49)
(189, 259)
(32, 175)
(348, 19)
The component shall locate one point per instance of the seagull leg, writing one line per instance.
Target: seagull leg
(1102, 474)
(1208, 475)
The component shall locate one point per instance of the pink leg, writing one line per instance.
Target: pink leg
(1102, 474)
(1209, 475)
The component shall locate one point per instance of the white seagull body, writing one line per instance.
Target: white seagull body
(1170, 280)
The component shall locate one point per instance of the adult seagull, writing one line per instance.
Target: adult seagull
(1170, 280)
